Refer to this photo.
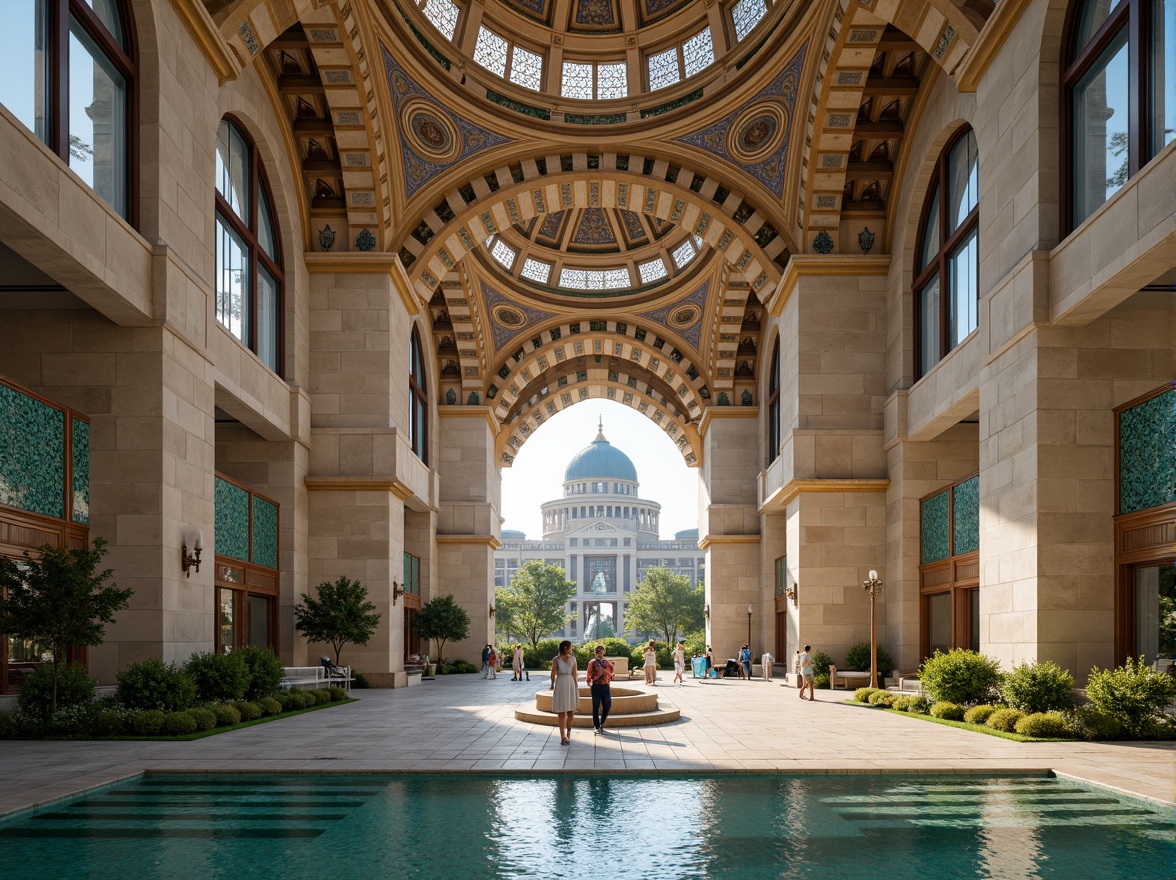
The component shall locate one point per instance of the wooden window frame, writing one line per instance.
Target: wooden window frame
(956, 574)
(247, 578)
(418, 399)
(937, 266)
(774, 432)
(247, 230)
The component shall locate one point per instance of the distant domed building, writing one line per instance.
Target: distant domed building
(604, 536)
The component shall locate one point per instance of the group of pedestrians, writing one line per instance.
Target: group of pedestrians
(565, 697)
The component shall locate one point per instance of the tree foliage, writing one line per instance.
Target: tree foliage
(58, 601)
(341, 615)
(442, 620)
(664, 603)
(535, 603)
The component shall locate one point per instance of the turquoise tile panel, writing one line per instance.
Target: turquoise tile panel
(965, 517)
(933, 530)
(232, 520)
(1147, 454)
(32, 454)
(81, 471)
(265, 533)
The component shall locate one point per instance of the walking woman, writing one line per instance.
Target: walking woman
(679, 663)
(516, 663)
(651, 663)
(565, 697)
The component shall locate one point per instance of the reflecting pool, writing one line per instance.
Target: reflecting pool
(665, 827)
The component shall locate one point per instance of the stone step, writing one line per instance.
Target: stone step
(637, 719)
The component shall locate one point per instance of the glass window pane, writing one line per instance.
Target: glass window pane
(265, 225)
(1164, 70)
(227, 623)
(97, 120)
(259, 619)
(23, 46)
(663, 69)
(576, 81)
(698, 52)
(964, 270)
(939, 622)
(974, 620)
(232, 285)
(963, 182)
(232, 169)
(443, 15)
(1094, 13)
(654, 270)
(1100, 130)
(503, 253)
(930, 247)
(526, 68)
(929, 326)
(107, 12)
(536, 270)
(490, 51)
(612, 80)
(267, 319)
(1155, 625)
(683, 254)
(746, 15)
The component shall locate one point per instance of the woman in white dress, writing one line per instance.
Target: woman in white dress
(679, 663)
(565, 697)
(651, 663)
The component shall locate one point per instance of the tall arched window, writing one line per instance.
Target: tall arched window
(70, 79)
(774, 404)
(248, 258)
(947, 260)
(1119, 80)
(418, 401)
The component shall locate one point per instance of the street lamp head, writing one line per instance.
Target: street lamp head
(749, 610)
(873, 575)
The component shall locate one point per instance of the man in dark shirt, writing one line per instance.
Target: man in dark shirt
(600, 673)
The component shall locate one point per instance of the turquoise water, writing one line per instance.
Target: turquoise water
(464, 827)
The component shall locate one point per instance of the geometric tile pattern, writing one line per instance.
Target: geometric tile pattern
(1147, 454)
(664, 316)
(32, 454)
(933, 530)
(503, 333)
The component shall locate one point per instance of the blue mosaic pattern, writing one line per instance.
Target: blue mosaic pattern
(537, 8)
(933, 536)
(81, 471)
(770, 170)
(692, 333)
(633, 226)
(653, 7)
(594, 229)
(265, 533)
(503, 334)
(965, 516)
(231, 505)
(419, 170)
(1147, 454)
(32, 454)
(595, 13)
(549, 228)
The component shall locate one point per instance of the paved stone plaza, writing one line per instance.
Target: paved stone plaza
(462, 723)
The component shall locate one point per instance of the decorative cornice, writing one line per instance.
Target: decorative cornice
(358, 484)
(489, 540)
(794, 488)
(821, 266)
(725, 412)
(209, 39)
(989, 42)
(360, 263)
(708, 540)
(470, 411)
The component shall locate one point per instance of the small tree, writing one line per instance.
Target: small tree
(535, 603)
(341, 615)
(442, 620)
(664, 603)
(57, 601)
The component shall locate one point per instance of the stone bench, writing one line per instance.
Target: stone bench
(620, 667)
(314, 677)
(849, 679)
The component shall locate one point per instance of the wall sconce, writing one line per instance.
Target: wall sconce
(492, 609)
(790, 593)
(706, 612)
(189, 561)
(397, 591)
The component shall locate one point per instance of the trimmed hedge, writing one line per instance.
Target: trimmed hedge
(153, 684)
(219, 676)
(148, 722)
(1135, 695)
(1043, 725)
(959, 676)
(1004, 719)
(226, 716)
(178, 724)
(947, 711)
(1038, 687)
(249, 711)
(979, 714)
(205, 718)
(74, 687)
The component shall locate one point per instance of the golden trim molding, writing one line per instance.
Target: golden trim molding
(728, 539)
(358, 484)
(489, 540)
(793, 488)
(467, 410)
(725, 412)
(209, 40)
(821, 266)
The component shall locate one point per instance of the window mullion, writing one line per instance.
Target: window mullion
(59, 87)
(1138, 113)
(104, 39)
(941, 257)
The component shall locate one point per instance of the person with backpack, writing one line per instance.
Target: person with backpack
(600, 674)
(745, 661)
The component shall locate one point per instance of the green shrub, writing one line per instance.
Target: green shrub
(457, 667)
(205, 718)
(74, 686)
(882, 698)
(1093, 725)
(694, 644)
(338, 695)
(538, 657)
(226, 716)
(282, 698)
(979, 714)
(1038, 687)
(153, 684)
(902, 702)
(919, 705)
(1043, 725)
(821, 680)
(1133, 694)
(358, 681)
(321, 695)
(269, 706)
(821, 663)
(636, 655)
(1004, 719)
(148, 722)
(960, 676)
(857, 659)
(218, 676)
(178, 724)
(947, 711)
(5, 725)
(265, 671)
(76, 720)
(111, 722)
(249, 711)
(862, 694)
(303, 700)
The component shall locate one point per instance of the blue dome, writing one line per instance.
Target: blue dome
(600, 461)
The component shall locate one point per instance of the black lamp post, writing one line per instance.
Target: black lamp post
(749, 610)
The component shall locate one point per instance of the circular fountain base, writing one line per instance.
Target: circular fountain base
(630, 708)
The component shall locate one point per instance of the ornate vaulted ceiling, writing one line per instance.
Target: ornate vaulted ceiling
(595, 198)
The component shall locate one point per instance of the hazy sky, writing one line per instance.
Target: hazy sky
(537, 473)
